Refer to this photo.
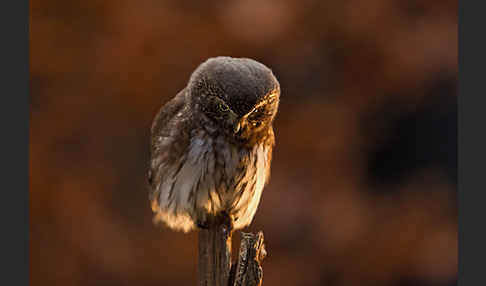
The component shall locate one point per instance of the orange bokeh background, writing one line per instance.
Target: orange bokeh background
(363, 188)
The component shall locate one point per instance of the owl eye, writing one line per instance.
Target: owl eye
(257, 114)
(223, 107)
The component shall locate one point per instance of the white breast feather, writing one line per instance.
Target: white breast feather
(178, 211)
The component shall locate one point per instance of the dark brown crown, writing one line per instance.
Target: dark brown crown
(240, 82)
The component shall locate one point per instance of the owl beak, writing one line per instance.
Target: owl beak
(234, 122)
(237, 127)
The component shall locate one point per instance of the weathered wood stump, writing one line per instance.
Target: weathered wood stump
(215, 267)
(248, 270)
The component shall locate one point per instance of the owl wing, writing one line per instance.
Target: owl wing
(170, 137)
(167, 112)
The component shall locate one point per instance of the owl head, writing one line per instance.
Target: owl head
(239, 96)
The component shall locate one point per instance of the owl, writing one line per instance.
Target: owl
(211, 145)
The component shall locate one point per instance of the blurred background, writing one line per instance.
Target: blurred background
(363, 188)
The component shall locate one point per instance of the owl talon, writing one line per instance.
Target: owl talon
(202, 225)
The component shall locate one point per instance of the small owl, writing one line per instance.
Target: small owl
(211, 145)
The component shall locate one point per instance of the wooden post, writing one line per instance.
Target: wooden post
(215, 267)
(214, 255)
(248, 270)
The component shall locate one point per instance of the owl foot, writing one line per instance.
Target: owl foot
(227, 220)
(222, 218)
(202, 225)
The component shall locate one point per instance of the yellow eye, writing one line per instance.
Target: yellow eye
(223, 107)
